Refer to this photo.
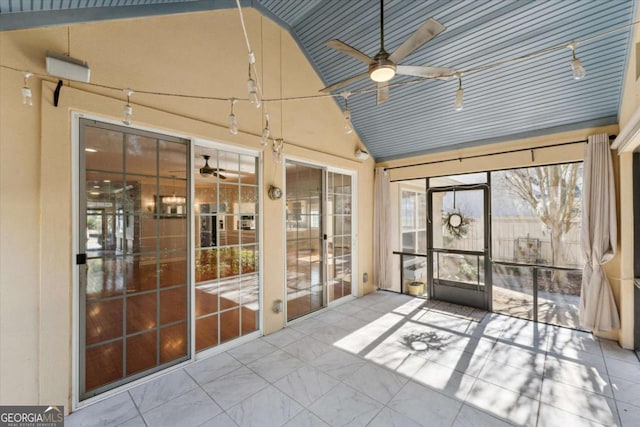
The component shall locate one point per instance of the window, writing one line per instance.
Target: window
(413, 220)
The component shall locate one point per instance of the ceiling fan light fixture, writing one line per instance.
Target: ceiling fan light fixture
(382, 70)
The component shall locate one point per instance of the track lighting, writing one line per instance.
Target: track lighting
(27, 98)
(127, 111)
(278, 147)
(348, 126)
(459, 104)
(576, 65)
(264, 140)
(233, 123)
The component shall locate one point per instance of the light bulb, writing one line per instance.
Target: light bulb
(264, 140)
(126, 114)
(27, 99)
(127, 111)
(577, 68)
(459, 104)
(253, 93)
(233, 124)
(348, 126)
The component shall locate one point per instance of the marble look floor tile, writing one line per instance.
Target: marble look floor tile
(579, 402)
(268, 407)
(611, 349)
(523, 380)
(114, 410)
(445, 321)
(461, 361)
(376, 382)
(283, 337)
(629, 414)
(330, 334)
(390, 356)
(390, 418)
(584, 376)
(410, 307)
(515, 356)
(307, 349)
(133, 422)
(529, 335)
(348, 309)
(337, 363)
(626, 391)
(162, 389)
(353, 324)
(332, 316)
(445, 380)
(253, 350)
(235, 387)
(207, 370)
(411, 401)
(345, 406)
(595, 359)
(220, 420)
(306, 419)
(552, 416)
(565, 341)
(190, 409)
(275, 365)
(306, 385)
(502, 403)
(368, 315)
(472, 417)
(621, 369)
(309, 325)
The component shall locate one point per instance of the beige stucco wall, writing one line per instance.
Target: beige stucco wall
(200, 54)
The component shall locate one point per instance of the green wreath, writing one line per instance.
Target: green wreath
(456, 223)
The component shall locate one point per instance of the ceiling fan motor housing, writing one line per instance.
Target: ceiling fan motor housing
(382, 69)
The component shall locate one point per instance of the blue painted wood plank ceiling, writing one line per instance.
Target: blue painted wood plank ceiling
(524, 98)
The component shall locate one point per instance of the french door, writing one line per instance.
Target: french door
(133, 255)
(319, 237)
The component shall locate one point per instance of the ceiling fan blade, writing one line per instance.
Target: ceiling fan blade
(426, 32)
(382, 94)
(428, 72)
(348, 50)
(344, 82)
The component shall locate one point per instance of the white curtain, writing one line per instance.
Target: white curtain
(381, 230)
(598, 309)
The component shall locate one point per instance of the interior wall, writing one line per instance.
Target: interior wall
(199, 54)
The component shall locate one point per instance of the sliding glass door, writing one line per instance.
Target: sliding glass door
(319, 207)
(133, 241)
(305, 239)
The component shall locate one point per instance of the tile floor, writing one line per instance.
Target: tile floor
(392, 360)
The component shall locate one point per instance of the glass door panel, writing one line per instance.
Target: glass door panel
(305, 248)
(339, 238)
(226, 246)
(133, 286)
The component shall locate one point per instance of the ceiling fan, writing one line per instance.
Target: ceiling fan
(207, 171)
(384, 66)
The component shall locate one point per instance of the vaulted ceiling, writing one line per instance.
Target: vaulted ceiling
(525, 98)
